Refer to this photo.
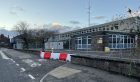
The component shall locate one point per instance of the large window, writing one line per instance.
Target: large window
(120, 41)
(83, 42)
(79, 42)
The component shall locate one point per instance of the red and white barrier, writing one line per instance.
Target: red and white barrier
(63, 56)
(42, 54)
(55, 55)
(47, 55)
(60, 56)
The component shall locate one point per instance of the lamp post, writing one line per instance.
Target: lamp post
(89, 12)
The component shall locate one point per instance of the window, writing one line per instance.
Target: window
(125, 39)
(116, 26)
(103, 28)
(90, 30)
(76, 41)
(110, 40)
(107, 29)
(112, 28)
(99, 29)
(93, 30)
(79, 42)
(132, 40)
(83, 42)
(117, 41)
(59, 44)
(89, 40)
(129, 40)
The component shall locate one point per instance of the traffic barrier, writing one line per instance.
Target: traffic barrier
(47, 55)
(41, 54)
(63, 56)
(55, 55)
(59, 56)
(69, 57)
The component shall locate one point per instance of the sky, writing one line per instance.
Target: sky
(70, 13)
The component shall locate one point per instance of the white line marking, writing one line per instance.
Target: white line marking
(22, 69)
(17, 64)
(44, 77)
(31, 76)
(13, 61)
(3, 55)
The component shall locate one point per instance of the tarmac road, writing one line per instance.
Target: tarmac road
(9, 72)
(16, 66)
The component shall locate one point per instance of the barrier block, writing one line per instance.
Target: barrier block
(47, 55)
(55, 55)
(60, 56)
(63, 56)
(69, 57)
(42, 54)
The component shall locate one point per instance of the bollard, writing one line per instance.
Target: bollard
(52, 50)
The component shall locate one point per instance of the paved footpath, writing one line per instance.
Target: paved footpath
(77, 73)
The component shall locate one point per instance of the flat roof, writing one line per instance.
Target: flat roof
(100, 25)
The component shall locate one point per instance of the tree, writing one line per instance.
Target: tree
(22, 29)
(43, 35)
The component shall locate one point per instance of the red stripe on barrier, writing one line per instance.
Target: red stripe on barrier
(63, 56)
(47, 55)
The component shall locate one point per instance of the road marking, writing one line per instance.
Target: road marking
(31, 76)
(35, 64)
(17, 64)
(3, 55)
(31, 63)
(44, 77)
(13, 61)
(22, 69)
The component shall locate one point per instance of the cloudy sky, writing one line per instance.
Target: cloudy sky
(62, 12)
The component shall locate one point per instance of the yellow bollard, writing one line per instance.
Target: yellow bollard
(107, 50)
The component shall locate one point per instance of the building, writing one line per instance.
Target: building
(4, 41)
(54, 45)
(17, 42)
(113, 40)
(118, 34)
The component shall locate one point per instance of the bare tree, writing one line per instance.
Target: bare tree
(22, 29)
(43, 35)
